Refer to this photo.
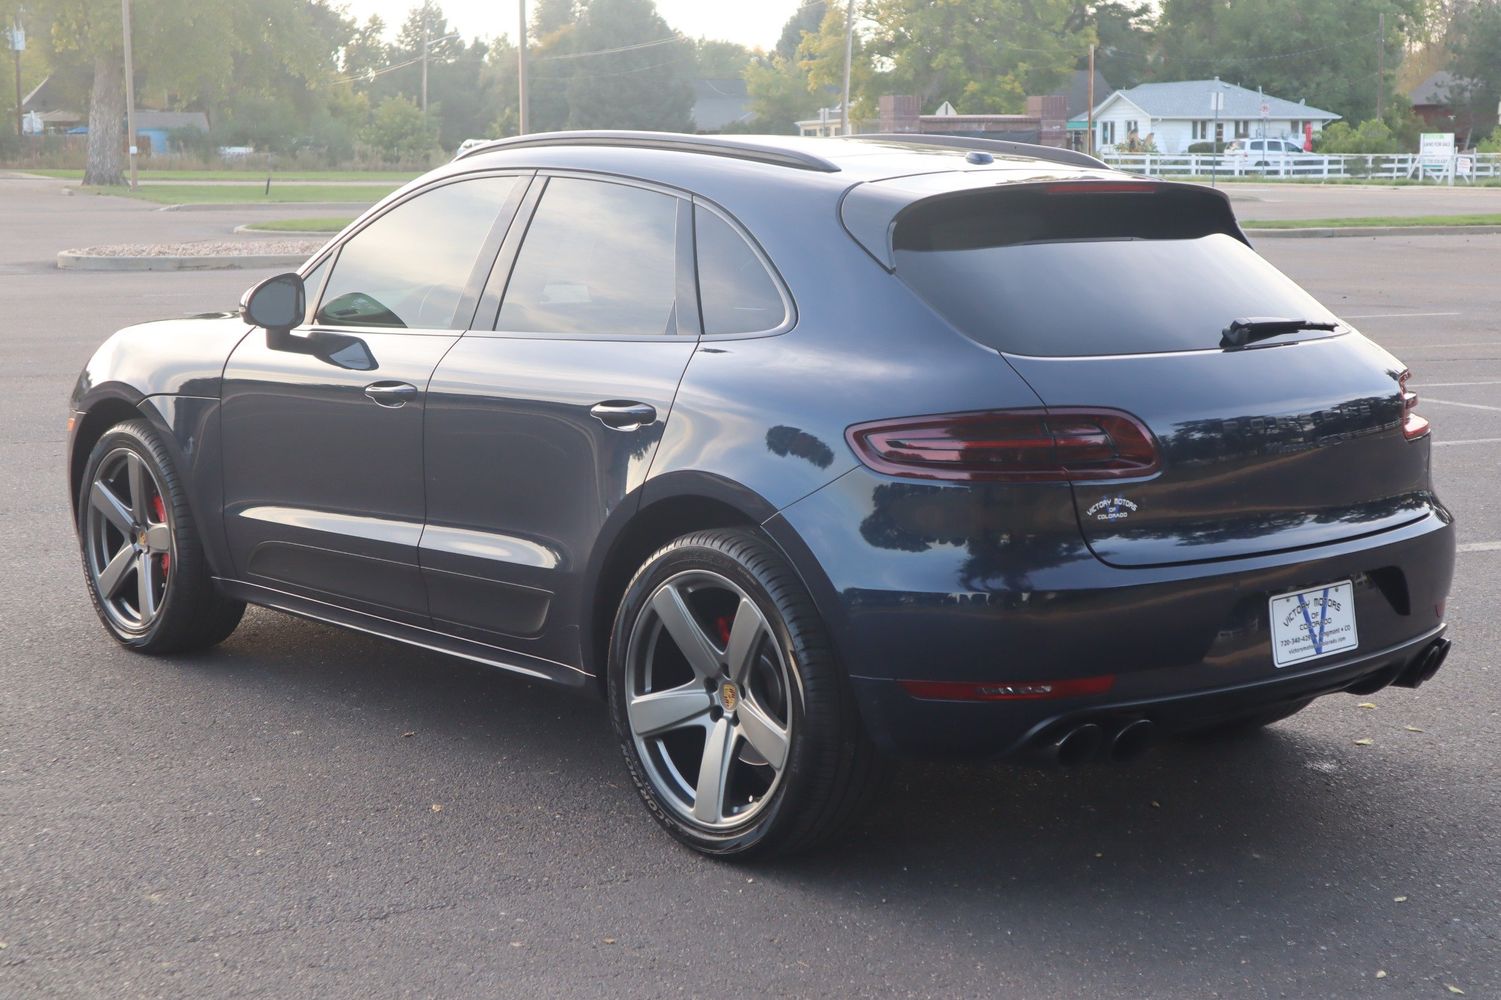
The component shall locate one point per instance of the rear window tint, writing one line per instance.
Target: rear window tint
(1091, 274)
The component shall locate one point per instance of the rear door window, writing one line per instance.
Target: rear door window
(1047, 272)
(598, 258)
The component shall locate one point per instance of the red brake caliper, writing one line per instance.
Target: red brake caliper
(160, 510)
(722, 626)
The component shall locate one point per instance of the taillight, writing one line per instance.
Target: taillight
(1013, 446)
(1413, 426)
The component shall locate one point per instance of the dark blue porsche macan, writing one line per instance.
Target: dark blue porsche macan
(802, 453)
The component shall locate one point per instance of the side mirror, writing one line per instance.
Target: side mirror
(278, 303)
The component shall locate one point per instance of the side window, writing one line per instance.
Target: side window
(597, 258)
(735, 290)
(409, 268)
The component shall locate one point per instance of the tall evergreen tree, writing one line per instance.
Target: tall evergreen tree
(630, 71)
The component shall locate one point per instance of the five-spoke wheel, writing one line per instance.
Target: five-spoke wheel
(142, 556)
(708, 699)
(737, 726)
(128, 540)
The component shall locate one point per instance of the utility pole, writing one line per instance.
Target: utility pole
(130, 93)
(523, 126)
(18, 44)
(1380, 61)
(1089, 146)
(424, 69)
(849, 51)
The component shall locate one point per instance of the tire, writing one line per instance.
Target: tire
(720, 630)
(137, 534)
(1251, 722)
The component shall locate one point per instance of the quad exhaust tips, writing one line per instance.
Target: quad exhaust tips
(1111, 740)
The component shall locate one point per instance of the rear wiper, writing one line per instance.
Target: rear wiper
(1241, 332)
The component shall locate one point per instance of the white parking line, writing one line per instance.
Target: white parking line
(1444, 444)
(1455, 402)
(1479, 547)
(1400, 315)
(1450, 385)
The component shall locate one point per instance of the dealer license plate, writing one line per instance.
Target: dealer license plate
(1313, 623)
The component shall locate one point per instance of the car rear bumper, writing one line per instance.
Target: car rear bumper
(909, 595)
(911, 726)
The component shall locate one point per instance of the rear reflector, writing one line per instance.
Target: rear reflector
(1008, 690)
(1413, 426)
(1015, 446)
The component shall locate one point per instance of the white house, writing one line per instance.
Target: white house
(1176, 115)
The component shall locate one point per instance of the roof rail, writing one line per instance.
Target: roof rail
(1003, 146)
(710, 145)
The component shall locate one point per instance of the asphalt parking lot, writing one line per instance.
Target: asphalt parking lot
(310, 813)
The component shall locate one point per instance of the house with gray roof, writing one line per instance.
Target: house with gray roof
(1176, 115)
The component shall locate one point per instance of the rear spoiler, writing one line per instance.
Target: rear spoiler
(873, 211)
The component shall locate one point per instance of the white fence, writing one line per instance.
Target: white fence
(1464, 168)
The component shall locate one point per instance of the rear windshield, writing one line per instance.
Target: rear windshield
(1091, 274)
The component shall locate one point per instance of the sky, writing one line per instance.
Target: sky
(754, 23)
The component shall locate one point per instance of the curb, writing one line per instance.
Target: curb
(227, 206)
(1335, 232)
(75, 261)
(249, 227)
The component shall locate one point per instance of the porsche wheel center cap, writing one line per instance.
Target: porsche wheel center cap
(728, 696)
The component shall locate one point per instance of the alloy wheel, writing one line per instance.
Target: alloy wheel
(128, 541)
(709, 700)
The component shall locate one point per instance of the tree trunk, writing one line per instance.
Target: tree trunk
(106, 121)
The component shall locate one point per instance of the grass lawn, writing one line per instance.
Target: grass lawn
(386, 176)
(211, 194)
(332, 224)
(1376, 220)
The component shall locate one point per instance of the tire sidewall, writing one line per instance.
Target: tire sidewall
(699, 553)
(135, 437)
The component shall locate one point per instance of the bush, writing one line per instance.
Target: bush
(1371, 136)
(1203, 147)
(398, 132)
(1491, 145)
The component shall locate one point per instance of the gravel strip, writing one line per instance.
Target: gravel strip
(207, 248)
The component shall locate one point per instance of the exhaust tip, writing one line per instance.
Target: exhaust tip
(1077, 745)
(1425, 665)
(1132, 740)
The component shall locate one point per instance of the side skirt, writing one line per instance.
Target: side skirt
(438, 642)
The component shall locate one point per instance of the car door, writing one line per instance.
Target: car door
(322, 426)
(544, 418)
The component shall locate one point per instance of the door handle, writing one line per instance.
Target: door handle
(392, 394)
(623, 415)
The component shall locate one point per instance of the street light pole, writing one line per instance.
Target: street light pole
(17, 43)
(522, 123)
(424, 69)
(130, 93)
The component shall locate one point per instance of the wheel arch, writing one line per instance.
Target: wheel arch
(671, 506)
(107, 406)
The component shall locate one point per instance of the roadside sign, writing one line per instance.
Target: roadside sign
(1078, 126)
(18, 39)
(1217, 101)
(1436, 147)
(1266, 110)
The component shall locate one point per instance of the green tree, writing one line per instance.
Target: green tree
(1323, 51)
(1127, 41)
(779, 94)
(551, 16)
(181, 47)
(398, 132)
(615, 85)
(804, 19)
(820, 56)
(1476, 66)
(984, 56)
(718, 60)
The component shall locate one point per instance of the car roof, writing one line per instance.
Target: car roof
(847, 160)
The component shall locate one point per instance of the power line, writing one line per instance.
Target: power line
(618, 48)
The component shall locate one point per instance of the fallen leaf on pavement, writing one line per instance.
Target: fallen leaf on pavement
(1365, 742)
(1380, 973)
(1367, 704)
(437, 808)
(1399, 899)
(1454, 989)
(1412, 729)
